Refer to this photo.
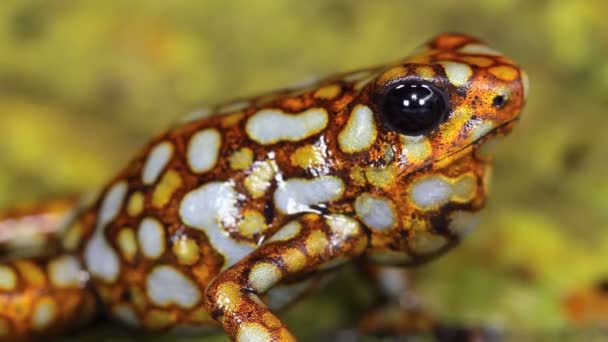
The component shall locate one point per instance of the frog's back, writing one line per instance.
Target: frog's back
(199, 197)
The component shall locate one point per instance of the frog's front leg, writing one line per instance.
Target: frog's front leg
(302, 246)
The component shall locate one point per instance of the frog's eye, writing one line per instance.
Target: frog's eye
(413, 108)
(500, 101)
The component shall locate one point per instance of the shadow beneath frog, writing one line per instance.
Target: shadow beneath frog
(396, 313)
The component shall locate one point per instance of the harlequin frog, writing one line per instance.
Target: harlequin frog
(224, 218)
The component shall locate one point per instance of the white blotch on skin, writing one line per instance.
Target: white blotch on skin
(343, 226)
(259, 180)
(296, 195)
(8, 278)
(66, 271)
(286, 232)
(457, 73)
(416, 148)
(166, 286)
(479, 49)
(480, 129)
(269, 126)
(375, 212)
(155, 163)
(24, 232)
(360, 131)
(101, 259)
(431, 192)
(462, 223)
(463, 188)
(126, 315)
(151, 236)
(263, 276)
(252, 332)
(203, 150)
(112, 203)
(44, 313)
(210, 208)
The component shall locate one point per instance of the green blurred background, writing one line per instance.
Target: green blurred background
(83, 84)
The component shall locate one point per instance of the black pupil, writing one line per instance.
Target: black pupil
(499, 101)
(414, 108)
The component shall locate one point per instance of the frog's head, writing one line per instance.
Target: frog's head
(452, 95)
(449, 98)
(431, 112)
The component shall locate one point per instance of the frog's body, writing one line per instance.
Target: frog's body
(250, 205)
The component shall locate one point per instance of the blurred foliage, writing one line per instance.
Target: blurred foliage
(84, 83)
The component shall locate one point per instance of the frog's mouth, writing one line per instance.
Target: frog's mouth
(482, 146)
(503, 129)
(485, 142)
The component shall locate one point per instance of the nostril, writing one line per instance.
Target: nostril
(500, 101)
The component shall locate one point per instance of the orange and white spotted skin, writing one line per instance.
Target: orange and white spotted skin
(226, 212)
(43, 296)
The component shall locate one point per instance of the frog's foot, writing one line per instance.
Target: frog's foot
(401, 313)
(400, 323)
(393, 320)
(441, 333)
(34, 229)
(43, 296)
(299, 248)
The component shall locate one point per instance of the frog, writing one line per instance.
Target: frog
(238, 210)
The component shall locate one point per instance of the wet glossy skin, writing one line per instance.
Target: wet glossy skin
(222, 213)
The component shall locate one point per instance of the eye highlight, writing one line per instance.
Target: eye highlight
(413, 107)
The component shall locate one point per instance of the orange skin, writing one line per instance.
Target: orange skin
(228, 289)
